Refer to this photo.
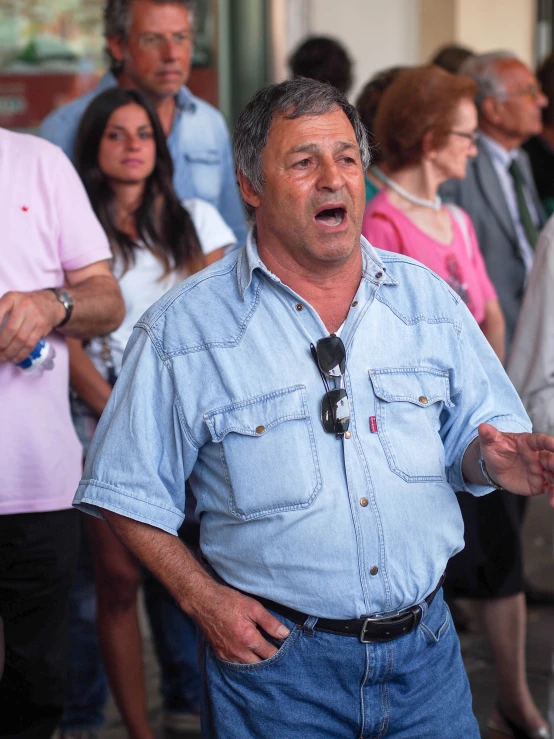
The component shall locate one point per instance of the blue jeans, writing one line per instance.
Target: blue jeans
(174, 636)
(331, 686)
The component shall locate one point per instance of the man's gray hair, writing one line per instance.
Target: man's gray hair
(292, 99)
(117, 21)
(484, 69)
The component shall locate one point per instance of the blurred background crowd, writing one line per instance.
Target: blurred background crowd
(458, 99)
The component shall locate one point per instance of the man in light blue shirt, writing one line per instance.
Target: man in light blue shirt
(150, 48)
(324, 467)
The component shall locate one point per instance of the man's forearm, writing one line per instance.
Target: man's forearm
(228, 618)
(167, 558)
(98, 307)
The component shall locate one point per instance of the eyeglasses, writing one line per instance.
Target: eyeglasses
(155, 41)
(472, 136)
(532, 91)
(330, 356)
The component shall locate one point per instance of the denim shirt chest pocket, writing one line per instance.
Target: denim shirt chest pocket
(268, 453)
(205, 167)
(408, 405)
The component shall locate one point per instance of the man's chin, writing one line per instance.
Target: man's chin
(336, 247)
(168, 89)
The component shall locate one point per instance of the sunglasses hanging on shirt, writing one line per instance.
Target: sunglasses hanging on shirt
(330, 356)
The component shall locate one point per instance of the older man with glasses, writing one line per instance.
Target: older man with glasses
(499, 192)
(500, 196)
(327, 509)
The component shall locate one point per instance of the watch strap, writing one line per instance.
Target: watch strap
(488, 478)
(66, 302)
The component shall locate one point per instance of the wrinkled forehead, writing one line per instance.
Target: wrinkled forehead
(289, 131)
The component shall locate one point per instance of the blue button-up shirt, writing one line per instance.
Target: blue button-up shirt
(198, 142)
(219, 386)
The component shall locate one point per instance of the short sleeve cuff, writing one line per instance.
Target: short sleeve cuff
(100, 254)
(92, 496)
(456, 478)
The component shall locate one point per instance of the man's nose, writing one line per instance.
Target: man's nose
(331, 176)
(542, 100)
(169, 50)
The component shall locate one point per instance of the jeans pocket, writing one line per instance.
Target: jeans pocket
(436, 622)
(283, 650)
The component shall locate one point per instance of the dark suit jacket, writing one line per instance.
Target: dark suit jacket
(481, 196)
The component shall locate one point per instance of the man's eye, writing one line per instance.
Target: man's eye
(349, 160)
(302, 164)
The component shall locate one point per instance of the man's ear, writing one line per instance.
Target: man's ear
(247, 191)
(115, 47)
(490, 110)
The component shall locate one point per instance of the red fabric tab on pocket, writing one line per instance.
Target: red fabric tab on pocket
(373, 424)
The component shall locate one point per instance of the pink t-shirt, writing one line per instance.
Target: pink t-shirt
(459, 263)
(48, 228)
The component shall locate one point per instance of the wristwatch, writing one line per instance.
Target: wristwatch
(66, 300)
(488, 478)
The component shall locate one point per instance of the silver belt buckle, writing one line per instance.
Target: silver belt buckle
(368, 620)
(373, 619)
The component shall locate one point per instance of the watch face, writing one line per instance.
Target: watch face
(65, 298)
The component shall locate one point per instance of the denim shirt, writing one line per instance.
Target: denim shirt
(198, 143)
(218, 385)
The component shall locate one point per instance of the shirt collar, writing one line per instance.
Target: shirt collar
(249, 260)
(497, 152)
(184, 100)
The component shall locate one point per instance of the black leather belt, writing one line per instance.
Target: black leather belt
(367, 629)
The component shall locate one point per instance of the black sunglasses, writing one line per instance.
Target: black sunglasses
(330, 356)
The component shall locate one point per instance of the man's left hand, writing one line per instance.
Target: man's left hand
(521, 463)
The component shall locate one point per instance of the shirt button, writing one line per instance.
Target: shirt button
(379, 275)
(374, 570)
(422, 399)
(354, 303)
(364, 502)
(299, 307)
(260, 429)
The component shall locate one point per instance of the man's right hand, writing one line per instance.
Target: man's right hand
(26, 318)
(229, 621)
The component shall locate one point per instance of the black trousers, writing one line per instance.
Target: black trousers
(38, 552)
(491, 564)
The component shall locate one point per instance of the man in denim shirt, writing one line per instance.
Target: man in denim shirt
(150, 48)
(324, 467)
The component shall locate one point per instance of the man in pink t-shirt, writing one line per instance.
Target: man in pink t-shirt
(55, 279)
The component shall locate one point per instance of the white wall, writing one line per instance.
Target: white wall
(496, 24)
(377, 33)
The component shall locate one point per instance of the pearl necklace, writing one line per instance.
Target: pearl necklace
(433, 204)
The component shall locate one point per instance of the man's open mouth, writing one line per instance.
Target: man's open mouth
(331, 216)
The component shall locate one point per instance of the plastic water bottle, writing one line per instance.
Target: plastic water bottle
(39, 360)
